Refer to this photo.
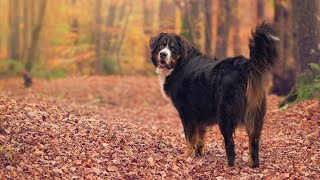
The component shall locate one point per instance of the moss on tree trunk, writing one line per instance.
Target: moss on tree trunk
(307, 87)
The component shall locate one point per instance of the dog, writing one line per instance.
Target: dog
(206, 91)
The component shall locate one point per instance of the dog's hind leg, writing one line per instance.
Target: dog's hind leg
(201, 141)
(227, 133)
(254, 129)
(227, 127)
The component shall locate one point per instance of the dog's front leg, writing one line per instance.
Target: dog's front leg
(192, 137)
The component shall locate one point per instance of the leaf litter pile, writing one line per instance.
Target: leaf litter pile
(120, 127)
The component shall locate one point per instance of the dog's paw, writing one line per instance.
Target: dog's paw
(254, 164)
(190, 152)
(230, 164)
(200, 150)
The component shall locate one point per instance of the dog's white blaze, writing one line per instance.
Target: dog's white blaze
(163, 73)
(168, 52)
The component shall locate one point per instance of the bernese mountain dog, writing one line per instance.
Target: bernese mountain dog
(206, 91)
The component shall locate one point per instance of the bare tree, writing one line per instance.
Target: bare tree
(208, 27)
(260, 9)
(187, 29)
(224, 21)
(26, 23)
(109, 23)
(34, 41)
(167, 16)
(119, 18)
(195, 8)
(236, 27)
(306, 27)
(306, 30)
(122, 36)
(148, 19)
(97, 36)
(74, 26)
(284, 73)
(14, 33)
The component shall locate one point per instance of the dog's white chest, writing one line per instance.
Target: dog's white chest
(162, 75)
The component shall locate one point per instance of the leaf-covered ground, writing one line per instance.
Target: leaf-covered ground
(120, 127)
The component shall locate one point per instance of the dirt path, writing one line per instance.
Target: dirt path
(112, 127)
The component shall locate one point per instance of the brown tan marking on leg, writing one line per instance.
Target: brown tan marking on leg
(201, 141)
(192, 145)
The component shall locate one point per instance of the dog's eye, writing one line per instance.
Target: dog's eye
(161, 46)
(173, 48)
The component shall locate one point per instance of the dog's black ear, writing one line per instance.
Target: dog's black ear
(185, 46)
(154, 40)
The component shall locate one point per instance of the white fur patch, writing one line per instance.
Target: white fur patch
(163, 73)
(273, 37)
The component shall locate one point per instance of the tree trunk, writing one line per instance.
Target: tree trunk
(223, 28)
(97, 38)
(306, 27)
(75, 24)
(110, 20)
(260, 9)
(187, 29)
(122, 36)
(148, 20)
(26, 24)
(167, 16)
(119, 19)
(14, 38)
(306, 33)
(236, 28)
(208, 27)
(31, 53)
(148, 17)
(284, 73)
(195, 8)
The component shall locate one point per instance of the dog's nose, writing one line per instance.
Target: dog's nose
(163, 54)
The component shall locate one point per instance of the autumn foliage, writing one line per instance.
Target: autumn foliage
(110, 127)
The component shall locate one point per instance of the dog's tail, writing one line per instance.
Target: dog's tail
(262, 49)
(263, 54)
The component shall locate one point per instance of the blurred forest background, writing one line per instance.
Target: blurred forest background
(93, 109)
(42, 38)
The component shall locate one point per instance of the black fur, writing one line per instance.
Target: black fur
(207, 92)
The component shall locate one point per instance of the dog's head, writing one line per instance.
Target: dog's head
(168, 50)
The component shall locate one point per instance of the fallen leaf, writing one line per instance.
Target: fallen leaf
(58, 171)
(175, 167)
(96, 170)
(112, 168)
(78, 162)
(151, 161)
(73, 169)
(38, 152)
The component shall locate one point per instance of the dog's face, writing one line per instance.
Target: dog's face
(168, 50)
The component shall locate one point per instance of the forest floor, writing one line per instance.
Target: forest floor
(120, 127)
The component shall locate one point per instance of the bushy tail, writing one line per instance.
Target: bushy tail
(262, 47)
(263, 54)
